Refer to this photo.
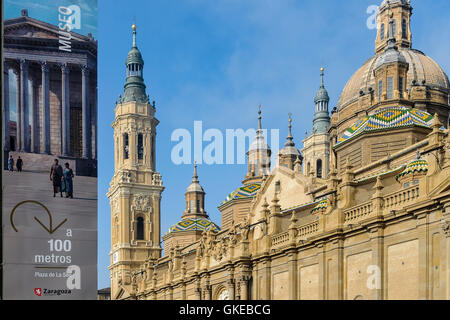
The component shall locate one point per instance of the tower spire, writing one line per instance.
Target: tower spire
(322, 74)
(259, 118)
(134, 35)
(195, 176)
(290, 138)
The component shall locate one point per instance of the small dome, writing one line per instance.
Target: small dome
(134, 56)
(195, 183)
(290, 150)
(386, 118)
(322, 95)
(195, 187)
(194, 224)
(415, 166)
(389, 56)
(259, 143)
(244, 192)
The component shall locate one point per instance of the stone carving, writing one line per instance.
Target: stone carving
(141, 202)
(445, 226)
(156, 179)
(220, 250)
(125, 177)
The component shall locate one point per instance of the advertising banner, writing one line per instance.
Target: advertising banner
(49, 177)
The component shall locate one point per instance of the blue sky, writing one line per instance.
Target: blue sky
(47, 10)
(216, 61)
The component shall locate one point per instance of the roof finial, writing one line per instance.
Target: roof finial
(290, 125)
(195, 176)
(290, 138)
(134, 35)
(322, 74)
(259, 118)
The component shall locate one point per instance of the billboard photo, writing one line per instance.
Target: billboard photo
(49, 204)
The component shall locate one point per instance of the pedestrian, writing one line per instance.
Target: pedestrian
(19, 164)
(11, 163)
(67, 185)
(56, 176)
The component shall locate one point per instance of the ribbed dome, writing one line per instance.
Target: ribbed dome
(322, 95)
(135, 56)
(421, 68)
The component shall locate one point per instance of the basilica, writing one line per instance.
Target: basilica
(362, 211)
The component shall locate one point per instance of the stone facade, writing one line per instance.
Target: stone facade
(375, 226)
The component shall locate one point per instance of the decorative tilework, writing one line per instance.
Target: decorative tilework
(417, 165)
(244, 192)
(322, 205)
(194, 224)
(392, 117)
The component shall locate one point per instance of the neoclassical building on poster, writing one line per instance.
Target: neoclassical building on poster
(361, 212)
(50, 95)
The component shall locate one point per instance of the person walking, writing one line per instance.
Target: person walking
(11, 163)
(67, 185)
(56, 176)
(19, 164)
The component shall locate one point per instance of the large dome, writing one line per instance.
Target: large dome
(421, 68)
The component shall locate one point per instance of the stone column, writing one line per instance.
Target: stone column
(24, 116)
(65, 110)
(244, 287)
(132, 147)
(18, 112)
(231, 289)
(6, 109)
(86, 113)
(34, 110)
(45, 127)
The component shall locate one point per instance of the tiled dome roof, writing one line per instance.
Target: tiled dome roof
(386, 118)
(244, 192)
(421, 68)
(417, 165)
(194, 224)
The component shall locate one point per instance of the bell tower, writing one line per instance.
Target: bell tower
(136, 188)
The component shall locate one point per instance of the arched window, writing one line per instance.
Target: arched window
(140, 229)
(404, 29)
(126, 147)
(394, 28)
(308, 169)
(400, 86)
(319, 168)
(380, 89)
(191, 209)
(140, 146)
(382, 32)
(390, 88)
